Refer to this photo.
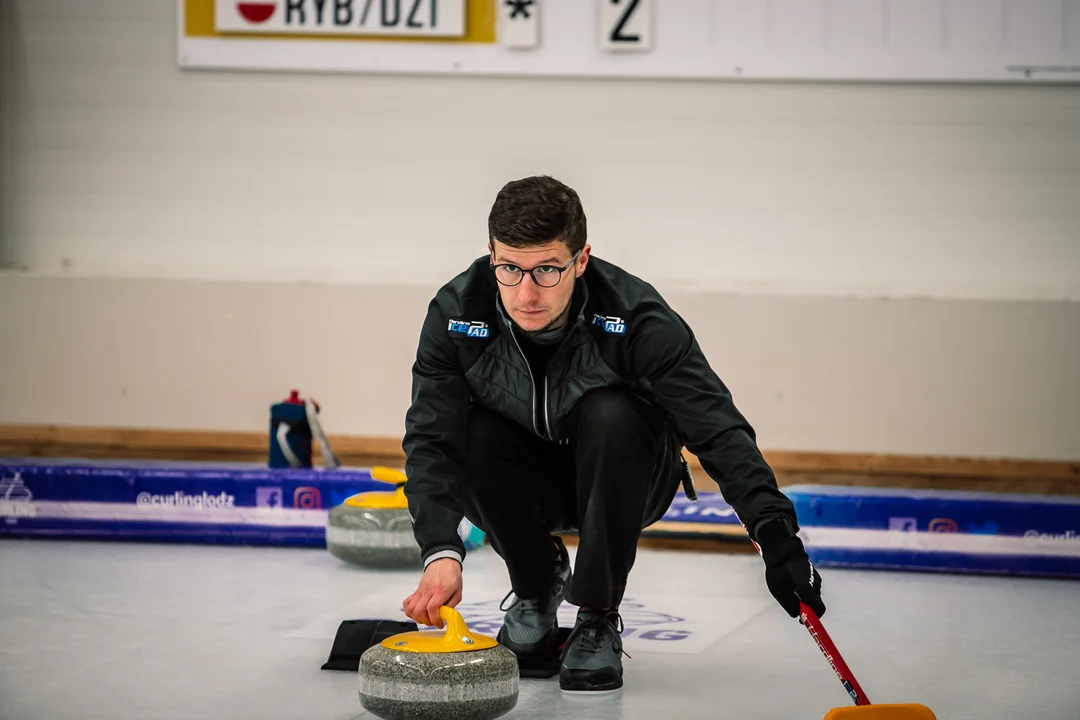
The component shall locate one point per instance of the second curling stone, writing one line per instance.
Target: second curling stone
(374, 529)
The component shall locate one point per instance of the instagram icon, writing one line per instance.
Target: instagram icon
(307, 498)
(943, 525)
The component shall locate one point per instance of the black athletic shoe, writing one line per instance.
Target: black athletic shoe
(592, 657)
(530, 627)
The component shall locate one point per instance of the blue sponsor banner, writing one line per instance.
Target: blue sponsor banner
(949, 562)
(164, 531)
(936, 511)
(248, 485)
(210, 502)
(940, 530)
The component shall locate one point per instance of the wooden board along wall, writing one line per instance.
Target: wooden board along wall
(877, 470)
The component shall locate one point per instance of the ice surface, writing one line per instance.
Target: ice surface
(121, 631)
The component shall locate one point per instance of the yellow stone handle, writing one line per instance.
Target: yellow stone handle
(455, 624)
(380, 499)
(457, 635)
(456, 638)
(386, 474)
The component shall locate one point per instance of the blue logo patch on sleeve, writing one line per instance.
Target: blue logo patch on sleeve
(610, 324)
(474, 329)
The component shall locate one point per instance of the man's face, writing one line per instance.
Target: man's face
(530, 305)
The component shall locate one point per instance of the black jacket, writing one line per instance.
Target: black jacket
(623, 333)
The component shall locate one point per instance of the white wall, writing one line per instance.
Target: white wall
(761, 207)
(139, 169)
(971, 378)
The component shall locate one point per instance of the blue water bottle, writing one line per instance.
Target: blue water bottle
(290, 434)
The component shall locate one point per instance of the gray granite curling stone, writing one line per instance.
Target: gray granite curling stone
(431, 675)
(374, 529)
(372, 538)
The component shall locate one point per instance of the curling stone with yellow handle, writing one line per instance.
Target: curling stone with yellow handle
(454, 674)
(374, 529)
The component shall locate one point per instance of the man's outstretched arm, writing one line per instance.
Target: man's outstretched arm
(665, 353)
(435, 438)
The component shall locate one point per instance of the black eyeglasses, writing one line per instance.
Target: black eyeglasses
(546, 276)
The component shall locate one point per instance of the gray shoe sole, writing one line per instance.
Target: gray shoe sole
(590, 682)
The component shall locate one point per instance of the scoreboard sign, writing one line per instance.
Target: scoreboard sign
(1022, 41)
(428, 18)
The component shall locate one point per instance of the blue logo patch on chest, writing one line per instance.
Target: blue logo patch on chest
(473, 329)
(610, 324)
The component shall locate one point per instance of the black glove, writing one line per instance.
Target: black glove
(790, 575)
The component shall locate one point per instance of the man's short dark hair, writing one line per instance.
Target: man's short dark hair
(535, 211)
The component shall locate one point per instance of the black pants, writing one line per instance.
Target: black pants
(618, 474)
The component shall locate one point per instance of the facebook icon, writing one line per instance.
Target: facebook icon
(268, 497)
(903, 524)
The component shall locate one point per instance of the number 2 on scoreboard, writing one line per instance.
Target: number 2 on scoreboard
(625, 24)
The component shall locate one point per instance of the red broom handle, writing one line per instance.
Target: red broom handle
(817, 631)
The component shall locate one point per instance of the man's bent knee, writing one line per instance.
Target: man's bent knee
(611, 410)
